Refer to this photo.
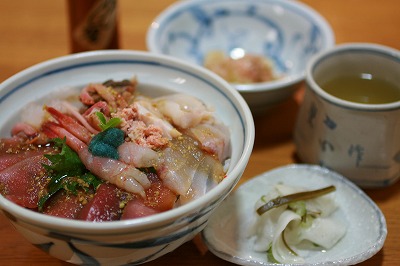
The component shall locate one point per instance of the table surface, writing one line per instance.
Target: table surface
(34, 31)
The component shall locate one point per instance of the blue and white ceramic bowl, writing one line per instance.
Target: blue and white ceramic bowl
(286, 31)
(139, 240)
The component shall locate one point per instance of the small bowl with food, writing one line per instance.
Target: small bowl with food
(260, 47)
(118, 157)
(296, 214)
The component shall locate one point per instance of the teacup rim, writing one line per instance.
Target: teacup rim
(387, 51)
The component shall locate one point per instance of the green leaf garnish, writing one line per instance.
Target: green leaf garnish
(67, 162)
(66, 171)
(104, 124)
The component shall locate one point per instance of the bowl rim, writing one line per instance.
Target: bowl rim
(170, 11)
(145, 223)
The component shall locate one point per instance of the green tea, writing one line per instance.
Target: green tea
(363, 90)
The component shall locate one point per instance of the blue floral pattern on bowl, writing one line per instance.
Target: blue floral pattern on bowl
(283, 31)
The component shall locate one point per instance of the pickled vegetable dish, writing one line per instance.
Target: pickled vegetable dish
(290, 221)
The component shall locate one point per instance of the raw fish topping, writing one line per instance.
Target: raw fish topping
(110, 153)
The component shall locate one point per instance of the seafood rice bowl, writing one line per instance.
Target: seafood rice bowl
(118, 157)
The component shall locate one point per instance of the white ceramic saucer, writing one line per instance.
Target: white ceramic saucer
(226, 233)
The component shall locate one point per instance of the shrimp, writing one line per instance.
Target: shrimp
(90, 114)
(65, 121)
(23, 128)
(81, 118)
(137, 155)
(122, 175)
(110, 95)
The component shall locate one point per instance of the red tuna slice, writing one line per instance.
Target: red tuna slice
(9, 159)
(105, 205)
(159, 198)
(22, 181)
(63, 205)
(7, 144)
(14, 150)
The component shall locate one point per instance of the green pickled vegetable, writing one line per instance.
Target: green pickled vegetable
(284, 200)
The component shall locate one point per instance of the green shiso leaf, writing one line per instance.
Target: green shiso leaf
(66, 172)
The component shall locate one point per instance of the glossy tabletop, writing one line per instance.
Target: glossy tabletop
(34, 31)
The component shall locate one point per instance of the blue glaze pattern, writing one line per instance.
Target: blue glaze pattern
(191, 225)
(259, 27)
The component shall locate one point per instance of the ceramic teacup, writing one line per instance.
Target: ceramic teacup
(360, 140)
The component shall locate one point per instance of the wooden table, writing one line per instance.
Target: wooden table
(34, 31)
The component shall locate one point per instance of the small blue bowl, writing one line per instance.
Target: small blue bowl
(287, 32)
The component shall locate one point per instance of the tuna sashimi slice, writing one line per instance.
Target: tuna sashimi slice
(22, 181)
(105, 205)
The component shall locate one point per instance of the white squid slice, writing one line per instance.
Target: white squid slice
(207, 175)
(183, 110)
(182, 162)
